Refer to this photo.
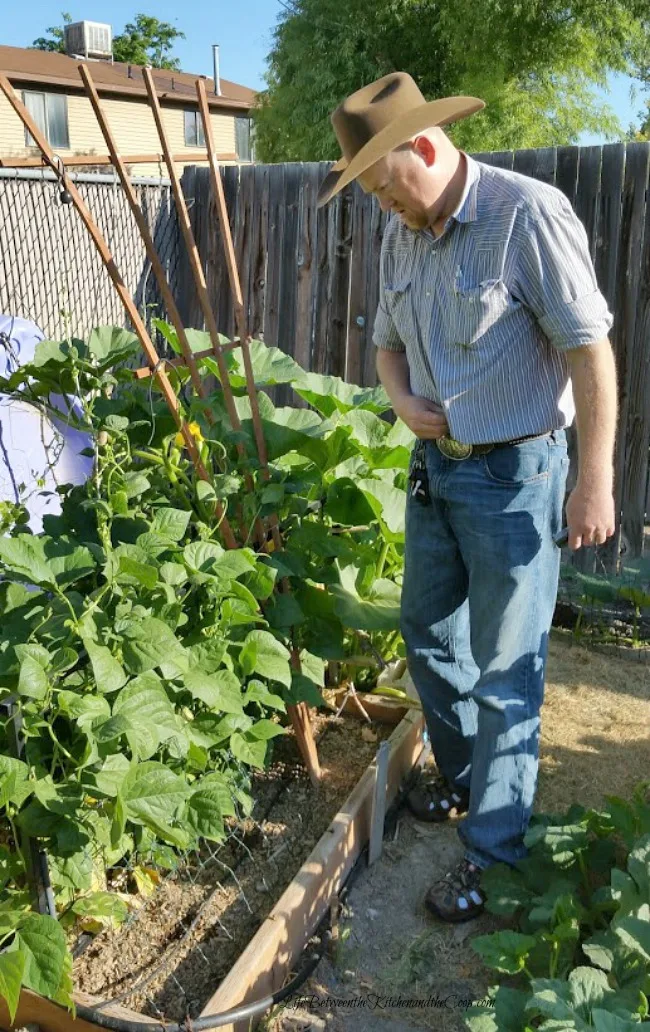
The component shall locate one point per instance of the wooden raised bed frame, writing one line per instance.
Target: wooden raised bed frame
(274, 950)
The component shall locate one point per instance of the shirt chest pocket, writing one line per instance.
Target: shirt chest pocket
(475, 309)
(400, 302)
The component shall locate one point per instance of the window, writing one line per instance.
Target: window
(194, 136)
(50, 112)
(244, 139)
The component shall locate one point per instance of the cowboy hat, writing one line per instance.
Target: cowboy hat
(380, 117)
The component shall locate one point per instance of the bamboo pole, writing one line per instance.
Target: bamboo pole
(299, 713)
(121, 288)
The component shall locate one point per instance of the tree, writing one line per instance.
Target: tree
(147, 41)
(144, 41)
(534, 62)
(56, 43)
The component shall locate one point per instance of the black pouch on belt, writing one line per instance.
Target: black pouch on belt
(418, 479)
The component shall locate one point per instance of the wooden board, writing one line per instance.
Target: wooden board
(50, 1017)
(275, 949)
(607, 259)
(386, 711)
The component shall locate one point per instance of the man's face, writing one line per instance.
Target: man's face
(402, 184)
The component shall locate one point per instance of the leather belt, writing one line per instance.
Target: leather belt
(453, 449)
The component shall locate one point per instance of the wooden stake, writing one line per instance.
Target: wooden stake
(235, 286)
(156, 265)
(120, 286)
(159, 272)
(192, 250)
(97, 160)
(299, 713)
(199, 280)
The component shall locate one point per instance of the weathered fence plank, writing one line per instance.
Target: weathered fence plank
(566, 173)
(637, 167)
(607, 259)
(274, 246)
(635, 433)
(307, 272)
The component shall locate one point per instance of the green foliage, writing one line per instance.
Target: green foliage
(536, 65)
(152, 668)
(144, 41)
(582, 902)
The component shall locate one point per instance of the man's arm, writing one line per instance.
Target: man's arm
(590, 508)
(423, 417)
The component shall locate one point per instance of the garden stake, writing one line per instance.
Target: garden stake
(199, 278)
(300, 712)
(138, 215)
(159, 272)
(122, 290)
(235, 286)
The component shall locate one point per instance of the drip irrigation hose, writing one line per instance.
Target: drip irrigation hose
(210, 1021)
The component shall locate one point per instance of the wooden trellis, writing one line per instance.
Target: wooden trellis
(299, 713)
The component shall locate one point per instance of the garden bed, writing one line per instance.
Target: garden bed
(179, 961)
(288, 818)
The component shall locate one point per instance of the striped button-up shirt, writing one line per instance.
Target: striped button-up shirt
(487, 311)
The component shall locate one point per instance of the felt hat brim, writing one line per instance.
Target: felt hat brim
(397, 132)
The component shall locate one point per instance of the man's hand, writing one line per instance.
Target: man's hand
(423, 417)
(590, 515)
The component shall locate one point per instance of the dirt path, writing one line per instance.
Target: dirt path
(595, 741)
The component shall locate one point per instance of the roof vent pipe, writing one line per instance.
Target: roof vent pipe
(217, 76)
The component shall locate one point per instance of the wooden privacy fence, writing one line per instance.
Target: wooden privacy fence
(310, 278)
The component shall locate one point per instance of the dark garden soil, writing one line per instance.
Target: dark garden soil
(186, 937)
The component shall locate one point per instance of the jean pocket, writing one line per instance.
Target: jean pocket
(477, 308)
(515, 465)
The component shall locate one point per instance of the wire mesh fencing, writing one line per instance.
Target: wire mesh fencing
(50, 271)
(607, 607)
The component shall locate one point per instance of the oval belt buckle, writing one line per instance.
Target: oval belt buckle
(453, 449)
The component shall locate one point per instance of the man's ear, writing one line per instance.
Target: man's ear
(423, 146)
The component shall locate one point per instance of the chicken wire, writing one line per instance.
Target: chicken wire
(50, 271)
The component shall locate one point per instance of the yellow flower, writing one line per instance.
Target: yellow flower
(195, 431)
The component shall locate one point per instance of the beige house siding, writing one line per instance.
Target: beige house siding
(131, 122)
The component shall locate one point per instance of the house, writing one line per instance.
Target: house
(51, 88)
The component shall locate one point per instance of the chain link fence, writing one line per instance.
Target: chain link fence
(50, 271)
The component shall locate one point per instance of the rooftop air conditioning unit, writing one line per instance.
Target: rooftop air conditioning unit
(89, 40)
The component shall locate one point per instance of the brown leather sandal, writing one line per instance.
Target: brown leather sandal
(434, 799)
(457, 896)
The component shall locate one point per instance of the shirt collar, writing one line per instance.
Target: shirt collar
(467, 208)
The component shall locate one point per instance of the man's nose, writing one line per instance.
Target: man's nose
(384, 204)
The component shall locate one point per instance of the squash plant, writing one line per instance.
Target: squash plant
(149, 667)
(581, 900)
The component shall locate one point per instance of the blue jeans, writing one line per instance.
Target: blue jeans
(480, 584)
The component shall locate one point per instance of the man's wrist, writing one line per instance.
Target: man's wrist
(400, 398)
(595, 481)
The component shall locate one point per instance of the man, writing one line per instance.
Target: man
(491, 333)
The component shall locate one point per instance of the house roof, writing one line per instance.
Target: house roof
(42, 67)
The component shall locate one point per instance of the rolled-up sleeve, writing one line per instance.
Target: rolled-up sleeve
(555, 278)
(385, 333)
